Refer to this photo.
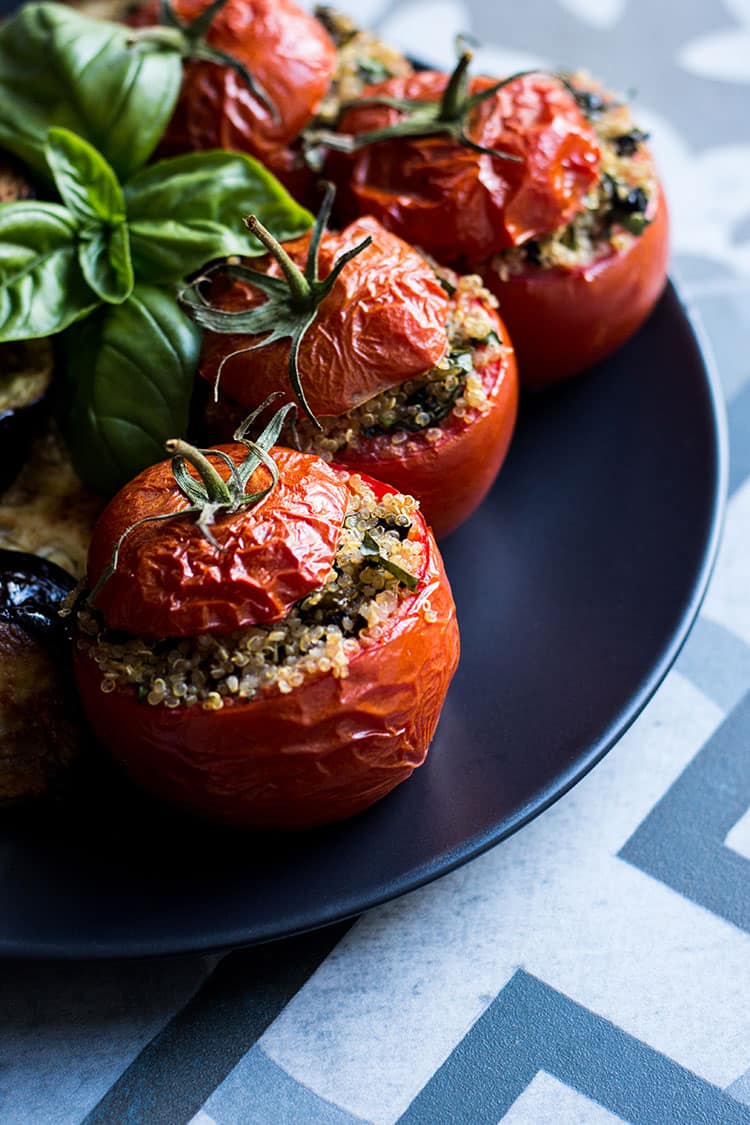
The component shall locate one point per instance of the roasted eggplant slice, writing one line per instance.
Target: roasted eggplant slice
(25, 379)
(40, 732)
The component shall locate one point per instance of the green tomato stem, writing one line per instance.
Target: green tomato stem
(453, 102)
(217, 489)
(298, 283)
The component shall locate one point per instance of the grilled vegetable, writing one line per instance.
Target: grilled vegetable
(311, 682)
(40, 737)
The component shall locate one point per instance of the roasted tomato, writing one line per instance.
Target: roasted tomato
(485, 166)
(593, 282)
(40, 736)
(308, 713)
(578, 223)
(405, 375)
(291, 59)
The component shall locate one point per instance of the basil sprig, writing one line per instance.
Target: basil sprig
(60, 68)
(113, 85)
(120, 252)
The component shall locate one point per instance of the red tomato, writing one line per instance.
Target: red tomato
(324, 751)
(585, 313)
(171, 581)
(286, 50)
(382, 323)
(458, 204)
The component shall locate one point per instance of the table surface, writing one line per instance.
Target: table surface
(596, 967)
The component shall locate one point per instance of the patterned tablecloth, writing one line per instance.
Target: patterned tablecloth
(595, 967)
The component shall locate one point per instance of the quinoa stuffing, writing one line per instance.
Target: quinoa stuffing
(372, 573)
(419, 407)
(616, 210)
(361, 60)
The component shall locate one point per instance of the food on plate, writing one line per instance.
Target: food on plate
(540, 182)
(40, 735)
(282, 50)
(276, 69)
(593, 282)
(46, 511)
(25, 380)
(361, 59)
(268, 639)
(406, 372)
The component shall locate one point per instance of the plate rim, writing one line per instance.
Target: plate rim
(135, 948)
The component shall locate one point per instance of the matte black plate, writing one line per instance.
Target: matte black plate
(576, 585)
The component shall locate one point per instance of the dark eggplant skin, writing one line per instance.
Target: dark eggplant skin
(31, 590)
(41, 737)
(25, 381)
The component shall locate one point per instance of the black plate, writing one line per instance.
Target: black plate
(576, 585)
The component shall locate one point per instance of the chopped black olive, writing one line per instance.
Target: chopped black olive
(590, 103)
(627, 144)
(533, 252)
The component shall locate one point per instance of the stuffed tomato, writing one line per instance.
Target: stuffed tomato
(405, 371)
(279, 62)
(284, 666)
(541, 183)
(262, 71)
(593, 281)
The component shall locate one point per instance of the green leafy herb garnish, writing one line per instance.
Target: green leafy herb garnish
(371, 551)
(113, 248)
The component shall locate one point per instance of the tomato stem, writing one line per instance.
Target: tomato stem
(298, 283)
(453, 102)
(217, 489)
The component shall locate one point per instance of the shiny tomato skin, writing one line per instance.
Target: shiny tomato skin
(285, 49)
(451, 476)
(382, 323)
(564, 321)
(457, 204)
(171, 581)
(323, 752)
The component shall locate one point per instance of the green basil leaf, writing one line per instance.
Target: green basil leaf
(42, 288)
(188, 210)
(104, 257)
(58, 67)
(129, 377)
(88, 186)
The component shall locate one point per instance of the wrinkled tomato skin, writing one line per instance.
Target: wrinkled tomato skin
(382, 323)
(564, 321)
(285, 49)
(170, 580)
(457, 204)
(321, 753)
(451, 476)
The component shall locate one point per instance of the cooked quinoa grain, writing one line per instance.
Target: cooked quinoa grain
(361, 60)
(367, 582)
